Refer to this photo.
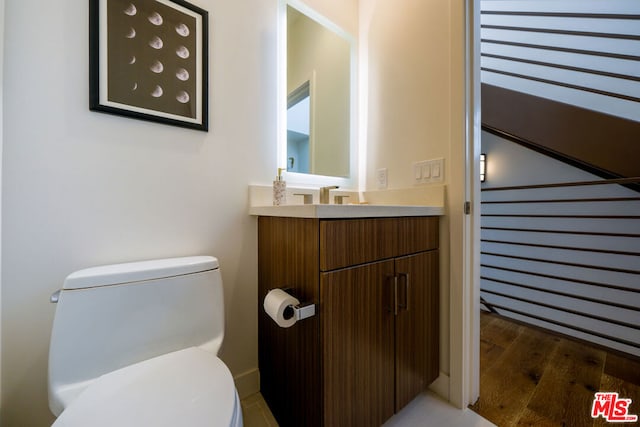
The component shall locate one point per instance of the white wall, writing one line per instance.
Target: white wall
(413, 68)
(511, 164)
(82, 188)
(344, 13)
(409, 87)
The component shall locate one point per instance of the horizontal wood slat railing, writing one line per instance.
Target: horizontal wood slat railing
(621, 181)
(588, 233)
(563, 14)
(564, 32)
(569, 248)
(568, 294)
(565, 51)
(592, 316)
(589, 52)
(547, 260)
(563, 78)
(573, 327)
(551, 276)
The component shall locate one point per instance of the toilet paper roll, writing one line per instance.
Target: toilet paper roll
(278, 305)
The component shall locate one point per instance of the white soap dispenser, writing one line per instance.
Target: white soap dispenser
(279, 190)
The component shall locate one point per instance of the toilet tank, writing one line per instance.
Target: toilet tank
(112, 316)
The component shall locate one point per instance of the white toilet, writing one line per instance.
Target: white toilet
(136, 344)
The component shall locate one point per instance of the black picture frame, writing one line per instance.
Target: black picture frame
(148, 59)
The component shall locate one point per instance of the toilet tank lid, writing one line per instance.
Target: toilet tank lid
(138, 271)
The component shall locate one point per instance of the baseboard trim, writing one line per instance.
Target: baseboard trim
(441, 386)
(247, 383)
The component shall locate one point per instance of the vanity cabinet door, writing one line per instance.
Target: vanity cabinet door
(358, 345)
(416, 329)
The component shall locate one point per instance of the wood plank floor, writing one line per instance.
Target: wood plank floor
(530, 377)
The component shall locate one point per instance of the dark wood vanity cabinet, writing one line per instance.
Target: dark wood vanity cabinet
(373, 344)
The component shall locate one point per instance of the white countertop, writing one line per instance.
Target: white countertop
(345, 211)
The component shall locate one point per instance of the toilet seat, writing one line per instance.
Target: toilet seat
(190, 387)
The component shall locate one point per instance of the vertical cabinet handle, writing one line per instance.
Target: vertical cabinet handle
(407, 287)
(395, 295)
(395, 290)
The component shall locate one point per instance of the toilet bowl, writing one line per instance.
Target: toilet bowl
(136, 344)
(189, 387)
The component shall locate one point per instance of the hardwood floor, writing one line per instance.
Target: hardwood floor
(530, 377)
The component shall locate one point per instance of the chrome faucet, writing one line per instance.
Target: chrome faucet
(324, 194)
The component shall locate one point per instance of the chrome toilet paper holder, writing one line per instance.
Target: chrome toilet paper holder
(300, 311)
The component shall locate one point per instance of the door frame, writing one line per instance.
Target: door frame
(2, 26)
(464, 303)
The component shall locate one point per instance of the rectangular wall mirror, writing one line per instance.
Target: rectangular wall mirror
(319, 95)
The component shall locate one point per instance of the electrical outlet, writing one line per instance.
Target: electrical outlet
(381, 178)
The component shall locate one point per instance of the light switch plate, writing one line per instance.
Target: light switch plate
(435, 169)
(428, 171)
(417, 171)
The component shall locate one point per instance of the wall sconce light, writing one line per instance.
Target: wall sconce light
(483, 167)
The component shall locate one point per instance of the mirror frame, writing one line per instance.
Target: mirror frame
(350, 182)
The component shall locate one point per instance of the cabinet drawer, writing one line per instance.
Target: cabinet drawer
(417, 234)
(349, 242)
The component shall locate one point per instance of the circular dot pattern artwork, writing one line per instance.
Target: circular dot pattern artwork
(151, 56)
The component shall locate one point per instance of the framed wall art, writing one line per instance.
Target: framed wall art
(148, 59)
